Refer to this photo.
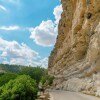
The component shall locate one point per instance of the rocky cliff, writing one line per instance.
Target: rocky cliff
(75, 60)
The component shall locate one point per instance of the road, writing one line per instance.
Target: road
(65, 95)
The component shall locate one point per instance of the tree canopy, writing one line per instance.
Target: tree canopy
(35, 73)
(22, 88)
(6, 77)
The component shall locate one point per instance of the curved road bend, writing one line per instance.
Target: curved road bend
(66, 95)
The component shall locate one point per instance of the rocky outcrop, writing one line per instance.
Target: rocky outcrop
(75, 60)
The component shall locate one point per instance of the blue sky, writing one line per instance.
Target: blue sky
(28, 30)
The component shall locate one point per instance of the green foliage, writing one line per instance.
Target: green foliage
(22, 88)
(11, 68)
(21, 82)
(47, 79)
(1, 74)
(6, 77)
(36, 73)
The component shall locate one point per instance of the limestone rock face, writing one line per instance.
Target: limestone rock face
(75, 60)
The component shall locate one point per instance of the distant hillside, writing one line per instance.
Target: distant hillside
(10, 68)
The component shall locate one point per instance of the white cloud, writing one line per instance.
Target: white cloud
(57, 13)
(15, 51)
(44, 62)
(11, 52)
(45, 34)
(3, 8)
(9, 28)
(5, 62)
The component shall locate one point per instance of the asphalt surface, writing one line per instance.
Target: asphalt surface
(66, 95)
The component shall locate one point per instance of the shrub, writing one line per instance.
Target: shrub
(22, 88)
(35, 73)
(47, 79)
(6, 77)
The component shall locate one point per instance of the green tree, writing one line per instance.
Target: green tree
(22, 88)
(47, 78)
(36, 73)
(6, 77)
(1, 73)
(11, 68)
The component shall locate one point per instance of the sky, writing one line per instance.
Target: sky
(28, 30)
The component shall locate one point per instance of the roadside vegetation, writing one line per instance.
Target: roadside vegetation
(21, 82)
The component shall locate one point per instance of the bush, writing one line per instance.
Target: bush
(22, 88)
(35, 73)
(1, 73)
(6, 77)
(47, 79)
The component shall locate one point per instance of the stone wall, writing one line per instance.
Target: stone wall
(75, 59)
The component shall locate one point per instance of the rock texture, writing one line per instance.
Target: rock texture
(75, 60)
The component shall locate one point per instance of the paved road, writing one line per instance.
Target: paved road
(65, 95)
